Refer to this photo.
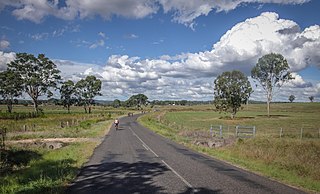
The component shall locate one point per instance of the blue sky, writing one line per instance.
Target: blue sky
(166, 49)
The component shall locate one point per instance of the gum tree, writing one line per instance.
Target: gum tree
(292, 98)
(38, 75)
(271, 71)
(86, 90)
(67, 92)
(10, 87)
(231, 90)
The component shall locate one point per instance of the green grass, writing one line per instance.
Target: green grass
(288, 159)
(291, 117)
(50, 173)
(30, 168)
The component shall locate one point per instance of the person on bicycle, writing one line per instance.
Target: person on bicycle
(116, 123)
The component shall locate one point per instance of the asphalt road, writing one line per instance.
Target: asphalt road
(134, 159)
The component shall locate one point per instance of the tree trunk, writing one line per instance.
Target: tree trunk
(85, 109)
(269, 98)
(9, 105)
(68, 107)
(89, 109)
(35, 105)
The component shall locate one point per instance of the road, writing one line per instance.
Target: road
(134, 159)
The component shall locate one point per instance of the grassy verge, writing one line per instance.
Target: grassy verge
(41, 170)
(288, 160)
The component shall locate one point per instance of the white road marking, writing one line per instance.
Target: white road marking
(175, 172)
(144, 144)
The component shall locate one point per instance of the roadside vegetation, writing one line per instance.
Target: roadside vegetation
(29, 165)
(292, 157)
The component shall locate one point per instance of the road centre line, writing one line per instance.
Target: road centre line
(175, 172)
(144, 144)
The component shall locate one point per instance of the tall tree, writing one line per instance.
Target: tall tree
(67, 92)
(137, 100)
(271, 71)
(116, 103)
(86, 90)
(38, 75)
(10, 87)
(292, 98)
(311, 98)
(231, 89)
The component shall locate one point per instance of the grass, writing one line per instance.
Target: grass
(35, 169)
(288, 159)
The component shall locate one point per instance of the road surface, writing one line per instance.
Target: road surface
(134, 159)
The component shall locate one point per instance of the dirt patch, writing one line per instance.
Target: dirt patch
(203, 138)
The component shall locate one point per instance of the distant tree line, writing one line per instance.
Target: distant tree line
(37, 76)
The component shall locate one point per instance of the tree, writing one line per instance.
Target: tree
(291, 98)
(67, 91)
(231, 89)
(271, 71)
(10, 87)
(137, 100)
(116, 103)
(86, 90)
(311, 98)
(38, 75)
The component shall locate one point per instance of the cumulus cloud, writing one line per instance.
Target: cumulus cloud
(184, 12)
(239, 48)
(191, 75)
(6, 58)
(4, 44)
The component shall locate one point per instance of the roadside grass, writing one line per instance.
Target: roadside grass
(30, 168)
(288, 159)
(49, 174)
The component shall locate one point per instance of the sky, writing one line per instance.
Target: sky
(167, 50)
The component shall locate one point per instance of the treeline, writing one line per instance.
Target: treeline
(38, 76)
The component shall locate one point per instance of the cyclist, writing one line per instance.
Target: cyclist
(116, 123)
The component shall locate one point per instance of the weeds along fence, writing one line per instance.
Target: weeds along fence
(53, 122)
(227, 131)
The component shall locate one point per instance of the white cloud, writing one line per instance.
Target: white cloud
(184, 12)
(131, 36)
(4, 44)
(6, 58)
(99, 43)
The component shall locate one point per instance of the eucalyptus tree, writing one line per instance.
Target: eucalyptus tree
(311, 98)
(292, 98)
(271, 71)
(38, 75)
(10, 87)
(86, 90)
(67, 92)
(231, 90)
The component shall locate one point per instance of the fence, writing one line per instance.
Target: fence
(245, 131)
(250, 131)
(216, 130)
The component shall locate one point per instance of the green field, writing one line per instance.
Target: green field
(35, 168)
(293, 159)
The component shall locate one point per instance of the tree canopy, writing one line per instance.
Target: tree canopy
(137, 101)
(292, 98)
(10, 87)
(86, 90)
(38, 75)
(231, 89)
(271, 71)
(67, 91)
